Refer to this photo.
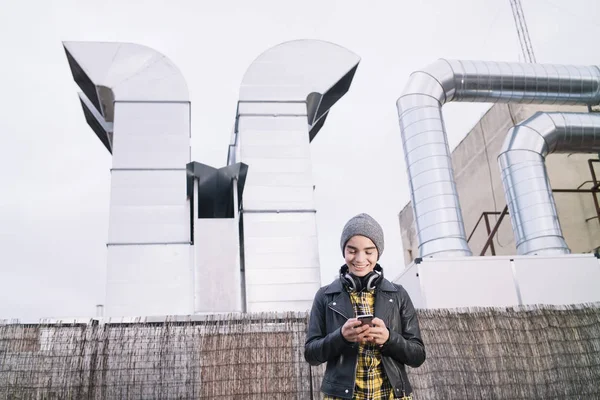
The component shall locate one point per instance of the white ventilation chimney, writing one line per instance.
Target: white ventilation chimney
(137, 102)
(284, 99)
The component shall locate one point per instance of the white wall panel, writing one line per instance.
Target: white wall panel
(409, 279)
(148, 188)
(261, 123)
(145, 280)
(289, 179)
(280, 249)
(280, 246)
(282, 293)
(151, 135)
(274, 137)
(281, 260)
(280, 225)
(503, 281)
(159, 224)
(217, 266)
(571, 279)
(277, 165)
(300, 305)
(257, 276)
(464, 282)
(277, 259)
(277, 151)
(278, 198)
(273, 108)
(149, 207)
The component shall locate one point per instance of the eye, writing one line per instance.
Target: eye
(369, 253)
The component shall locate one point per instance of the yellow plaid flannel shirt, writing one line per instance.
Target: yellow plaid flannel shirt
(371, 381)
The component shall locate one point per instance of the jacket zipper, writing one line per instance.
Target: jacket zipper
(401, 381)
(356, 363)
(338, 312)
(399, 375)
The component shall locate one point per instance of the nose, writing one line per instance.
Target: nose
(360, 256)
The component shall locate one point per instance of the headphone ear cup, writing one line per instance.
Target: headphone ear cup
(373, 280)
(352, 283)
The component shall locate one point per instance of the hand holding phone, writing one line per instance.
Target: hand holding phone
(366, 319)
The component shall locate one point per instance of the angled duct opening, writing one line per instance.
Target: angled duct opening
(101, 128)
(336, 92)
(317, 127)
(107, 102)
(288, 73)
(83, 81)
(112, 72)
(215, 190)
(318, 104)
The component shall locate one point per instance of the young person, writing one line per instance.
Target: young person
(364, 360)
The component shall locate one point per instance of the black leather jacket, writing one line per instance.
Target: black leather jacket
(325, 343)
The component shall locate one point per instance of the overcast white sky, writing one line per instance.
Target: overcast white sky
(55, 174)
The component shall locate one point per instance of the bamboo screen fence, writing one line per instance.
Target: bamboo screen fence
(514, 353)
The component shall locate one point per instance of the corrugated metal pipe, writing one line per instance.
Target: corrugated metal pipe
(438, 217)
(526, 185)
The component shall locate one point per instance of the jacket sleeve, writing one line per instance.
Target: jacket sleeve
(407, 346)
(321, 346)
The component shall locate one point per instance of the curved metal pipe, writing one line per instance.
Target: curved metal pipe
(110, 71)
(523, 170)
(312, 71)
(297, 77)
(129, 71)
(438, 217)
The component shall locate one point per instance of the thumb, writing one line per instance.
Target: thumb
(353, 322)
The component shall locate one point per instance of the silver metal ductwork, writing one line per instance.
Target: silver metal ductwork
(139, 95)
(526, 185)
(438, 217)
(109, 72)
(285, 97)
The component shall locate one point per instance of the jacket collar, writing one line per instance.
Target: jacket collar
(387, 286)
(335, 287)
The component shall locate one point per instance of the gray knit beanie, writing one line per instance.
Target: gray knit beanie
(363, 225)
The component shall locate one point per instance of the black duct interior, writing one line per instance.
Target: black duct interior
(83, 81)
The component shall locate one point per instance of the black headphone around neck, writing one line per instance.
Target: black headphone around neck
(355, 284)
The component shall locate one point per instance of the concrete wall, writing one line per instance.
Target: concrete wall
(480, 189)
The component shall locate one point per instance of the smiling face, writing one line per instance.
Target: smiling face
(361, 255)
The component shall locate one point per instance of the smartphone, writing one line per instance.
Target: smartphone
(366, 319)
